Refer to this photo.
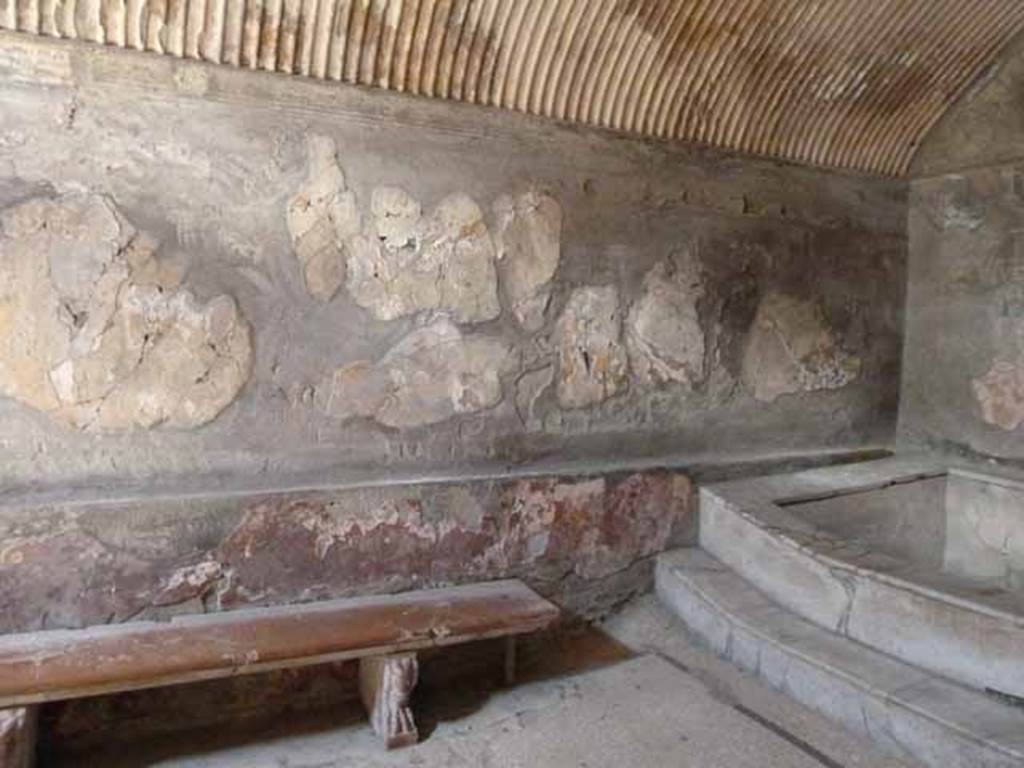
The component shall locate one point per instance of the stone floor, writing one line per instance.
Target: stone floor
(634, 692)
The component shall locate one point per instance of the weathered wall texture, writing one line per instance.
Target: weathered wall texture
(367, 284)
(986, 127)
(218, 285)
(985, 531)
(963, 382)
(97, 333)
(581, 540)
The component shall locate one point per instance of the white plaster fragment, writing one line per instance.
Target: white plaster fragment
(96, 332)
(791, 349)
(411, 263)
(528, 241)
(396, 217)
(663, 333)
(592, 362)
(1000, 393)
(431, 375)
(322, 216)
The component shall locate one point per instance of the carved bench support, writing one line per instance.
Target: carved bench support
(18, 737)
(386, 683)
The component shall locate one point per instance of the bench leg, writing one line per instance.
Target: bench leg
(385, 684)
(18, 737)
(510, 660)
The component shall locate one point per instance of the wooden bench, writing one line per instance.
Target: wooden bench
(383, 632)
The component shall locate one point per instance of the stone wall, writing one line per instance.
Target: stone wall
(289, 281)
(963, 383)
(467, 331)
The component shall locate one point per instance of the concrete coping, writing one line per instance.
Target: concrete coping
(762, 502)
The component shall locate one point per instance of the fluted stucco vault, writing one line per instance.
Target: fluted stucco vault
(841, 83)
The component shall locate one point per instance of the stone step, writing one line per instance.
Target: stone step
(899, 604)
(904, 709)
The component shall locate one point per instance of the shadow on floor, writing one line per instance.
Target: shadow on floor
(144, 728)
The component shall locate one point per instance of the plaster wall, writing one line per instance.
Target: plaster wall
(205, 161)
(906, 520)
(964, 356)
(965, 524)
(351, 341)
(985, 523)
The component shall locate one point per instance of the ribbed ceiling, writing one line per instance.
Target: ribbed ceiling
(846, 83)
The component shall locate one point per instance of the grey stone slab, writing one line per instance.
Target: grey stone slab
(273, 190)
(993, 719)
(860, 551)
(985, 528)
(960, 642)
(800, 582)
(645, 625)
(902, 708)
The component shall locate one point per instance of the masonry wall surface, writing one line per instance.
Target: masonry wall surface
(252, 348)
(266, 340)
(206, 160)
(963, 373)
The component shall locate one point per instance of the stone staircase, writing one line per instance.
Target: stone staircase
(732, 593)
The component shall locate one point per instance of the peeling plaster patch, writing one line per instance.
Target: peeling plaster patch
(188, 582)
(60, 570)
(364, 542)
(322, 216)
(412, 263)
(95, 330)
(396, 216)
(530, 386)
(791, 349)
(559, 534)
(999, 529)
(431, 375)
(592, 363)
(330, 529)
(528, 240)
(663, 335)
(952, 207)
(543, 529)
(1000, 393)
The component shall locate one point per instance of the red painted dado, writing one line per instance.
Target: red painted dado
(582, 541)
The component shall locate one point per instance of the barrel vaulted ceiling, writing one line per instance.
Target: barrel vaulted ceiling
(846, 83)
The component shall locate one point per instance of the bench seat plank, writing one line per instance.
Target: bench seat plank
(62, 664)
